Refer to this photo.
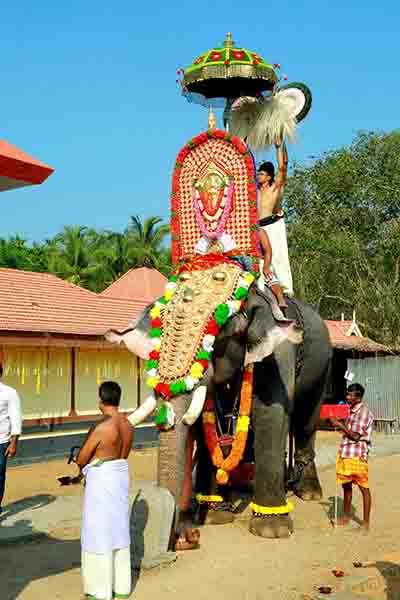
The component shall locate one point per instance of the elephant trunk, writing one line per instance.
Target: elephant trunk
(175, 456)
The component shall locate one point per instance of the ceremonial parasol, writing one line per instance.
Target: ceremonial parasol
(17, 169)
(257, 107)
(229, 72)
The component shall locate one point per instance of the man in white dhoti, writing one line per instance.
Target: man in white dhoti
(272, 222)
(105, 539)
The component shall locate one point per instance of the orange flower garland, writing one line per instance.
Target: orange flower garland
(226, 465)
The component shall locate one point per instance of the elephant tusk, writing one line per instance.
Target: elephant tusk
(144, 410)
(196, 405)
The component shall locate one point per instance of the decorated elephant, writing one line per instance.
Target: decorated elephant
(289, 363)
(228, 371)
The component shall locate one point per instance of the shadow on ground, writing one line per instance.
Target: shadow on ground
(38, 555)
(329, 508)
(386, 587)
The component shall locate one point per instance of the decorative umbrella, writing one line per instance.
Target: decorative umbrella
(229, 72)
(257, 107)
(17, 169)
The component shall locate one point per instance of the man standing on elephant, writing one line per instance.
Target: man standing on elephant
(352, 460)
(271, 216)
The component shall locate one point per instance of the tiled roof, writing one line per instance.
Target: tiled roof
(18, 169)
(40, 302)
(43, 303)
(137, 283)
(340, 338)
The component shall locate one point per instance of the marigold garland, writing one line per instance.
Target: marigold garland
(221, 314)
(226, 465)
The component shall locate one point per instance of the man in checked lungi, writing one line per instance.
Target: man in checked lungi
(352, 459)
(105, 539)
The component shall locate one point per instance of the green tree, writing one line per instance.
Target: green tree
(70, 254)
(148, 239)
(343, 215)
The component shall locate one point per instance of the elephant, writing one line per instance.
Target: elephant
(290, 376)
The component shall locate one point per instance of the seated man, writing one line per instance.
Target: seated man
(105, 540)
(271, 220)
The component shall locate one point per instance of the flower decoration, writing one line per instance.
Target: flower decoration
(204, 354)
(226, 464)
(177, 196)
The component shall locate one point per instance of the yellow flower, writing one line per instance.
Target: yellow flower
(168, 294)
(155, 312)
(222, 477)
(196, 370)
(249, 278)
(157, 347)
(152, 382)
(243, 424)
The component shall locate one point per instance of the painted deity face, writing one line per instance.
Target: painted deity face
(212, 186)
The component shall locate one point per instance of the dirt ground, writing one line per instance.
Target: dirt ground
(231, 562)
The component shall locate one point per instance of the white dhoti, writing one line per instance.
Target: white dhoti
(280, 265)
(105, 538)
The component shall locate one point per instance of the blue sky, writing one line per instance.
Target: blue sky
(89, 87)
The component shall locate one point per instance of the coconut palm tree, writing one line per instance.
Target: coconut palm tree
(147, 239)
(70, 254)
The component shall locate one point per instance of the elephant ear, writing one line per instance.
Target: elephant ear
(268, 327)
(136, 337)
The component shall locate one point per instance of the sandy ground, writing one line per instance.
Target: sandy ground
(231, 562)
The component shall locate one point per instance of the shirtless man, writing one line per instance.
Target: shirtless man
(105, 540)
(272, 224)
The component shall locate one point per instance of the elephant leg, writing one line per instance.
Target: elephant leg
(307, 485)
(175, 474)
(213, 509)
(271, 518)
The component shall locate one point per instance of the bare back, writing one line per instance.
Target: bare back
(115, 435)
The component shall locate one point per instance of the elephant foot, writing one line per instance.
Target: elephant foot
(271, 526)
(188, 540)
(308, 486)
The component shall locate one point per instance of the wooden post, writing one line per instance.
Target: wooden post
(72, 411)
(138, 381)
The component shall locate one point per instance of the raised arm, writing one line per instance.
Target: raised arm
(283, 159)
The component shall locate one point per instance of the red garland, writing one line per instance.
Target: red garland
(212, 328)
(163, 389)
